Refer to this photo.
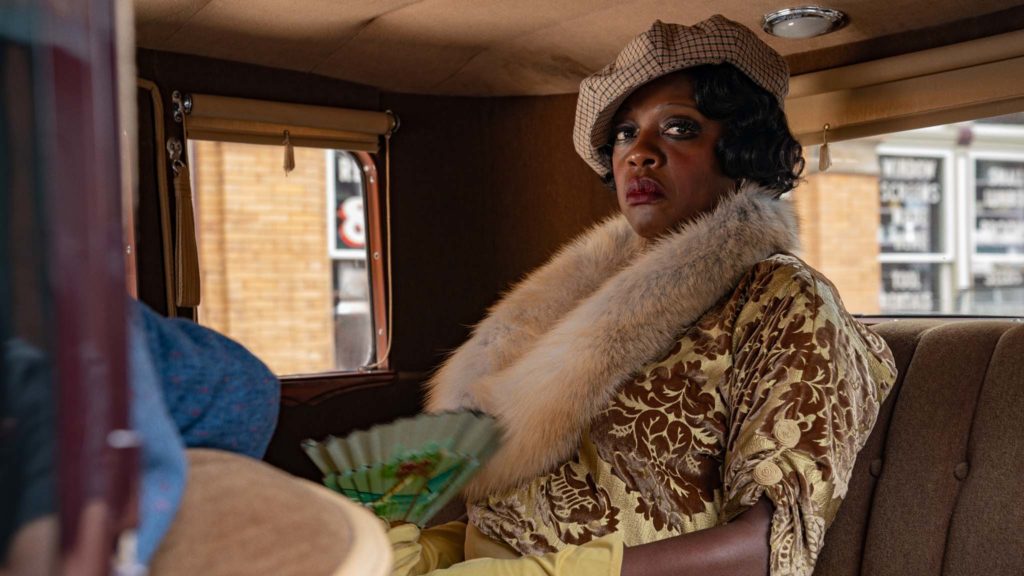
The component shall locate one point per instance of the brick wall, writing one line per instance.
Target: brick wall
(838, 231)
(266, 275)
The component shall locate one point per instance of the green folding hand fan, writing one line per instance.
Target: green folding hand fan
(406, 471)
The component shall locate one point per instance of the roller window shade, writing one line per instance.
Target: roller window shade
(248, 121)
(953, 83)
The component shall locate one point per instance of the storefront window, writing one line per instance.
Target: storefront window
(910, 287)
(911, 204)
(947, 207)
(999, 207)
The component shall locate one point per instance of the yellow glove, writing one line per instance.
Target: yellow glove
(602, 556)
(405, 549)
(418, 551)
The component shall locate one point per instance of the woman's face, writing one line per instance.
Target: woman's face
(663, 157)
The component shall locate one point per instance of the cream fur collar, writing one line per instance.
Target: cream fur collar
(552, 353)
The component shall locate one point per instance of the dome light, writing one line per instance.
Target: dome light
(803, 22)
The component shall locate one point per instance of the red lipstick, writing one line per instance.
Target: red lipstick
(643, 191)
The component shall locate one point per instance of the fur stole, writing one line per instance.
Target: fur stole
(552, 353)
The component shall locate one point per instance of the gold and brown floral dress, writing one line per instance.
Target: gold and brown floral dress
(773, 391)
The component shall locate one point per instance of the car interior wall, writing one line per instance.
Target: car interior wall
(211, 76)
(484, 190)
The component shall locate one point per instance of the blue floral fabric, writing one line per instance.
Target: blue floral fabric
(218, 394)
(195, 388)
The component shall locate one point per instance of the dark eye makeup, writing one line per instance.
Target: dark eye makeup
(621, 133)
(681, 127)
(675, 127)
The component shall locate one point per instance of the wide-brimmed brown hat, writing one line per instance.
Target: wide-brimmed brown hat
(243, 516)
(664, 49)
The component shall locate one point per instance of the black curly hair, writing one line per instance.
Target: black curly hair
(756, 144)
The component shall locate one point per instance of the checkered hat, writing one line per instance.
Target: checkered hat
(664, 49)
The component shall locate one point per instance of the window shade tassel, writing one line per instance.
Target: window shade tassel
(186, 250)
(289, 153)
(824, 156)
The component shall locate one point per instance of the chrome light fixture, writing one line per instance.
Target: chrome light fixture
(803, 22)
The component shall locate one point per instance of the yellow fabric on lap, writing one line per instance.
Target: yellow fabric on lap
(442, 546)
(602, 556)
(417, 552)
(480, 545)
(405, 549)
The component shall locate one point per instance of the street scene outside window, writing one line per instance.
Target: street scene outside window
(927, 221)
(283, 257)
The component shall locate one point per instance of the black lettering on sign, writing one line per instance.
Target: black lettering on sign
(999, 207)
(910, 195)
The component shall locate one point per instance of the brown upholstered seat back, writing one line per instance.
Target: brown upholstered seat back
(937, 489)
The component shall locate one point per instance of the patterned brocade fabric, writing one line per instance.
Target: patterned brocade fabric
(772, 392)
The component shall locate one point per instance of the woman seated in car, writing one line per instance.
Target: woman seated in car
(679, 393)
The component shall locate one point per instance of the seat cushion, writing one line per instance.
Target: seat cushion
(986, 531)
(844, 541)
(936, 488)
(919, 484)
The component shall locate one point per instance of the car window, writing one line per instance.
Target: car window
(927, 221)
(283, 256)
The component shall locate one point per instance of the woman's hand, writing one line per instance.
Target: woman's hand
(418, 551)
(405, 549)
(739, 548)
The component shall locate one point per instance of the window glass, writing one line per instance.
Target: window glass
(998, 206)
(283, 257)
(909, 287)
(910, 195)
(353, 326)
(926, 221)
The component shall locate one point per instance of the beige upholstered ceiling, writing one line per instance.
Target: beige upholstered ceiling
(518, 47)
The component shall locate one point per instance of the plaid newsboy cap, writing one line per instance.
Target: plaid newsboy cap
(664, 49)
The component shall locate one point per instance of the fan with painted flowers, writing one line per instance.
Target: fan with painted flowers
(407, 470)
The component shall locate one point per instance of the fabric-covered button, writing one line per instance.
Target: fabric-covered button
(876, 467)
(961, 470)
(787, 432)
(767, 473)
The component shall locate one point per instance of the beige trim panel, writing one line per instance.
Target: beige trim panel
(950, 84)
(952, 57)
(262, 122)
